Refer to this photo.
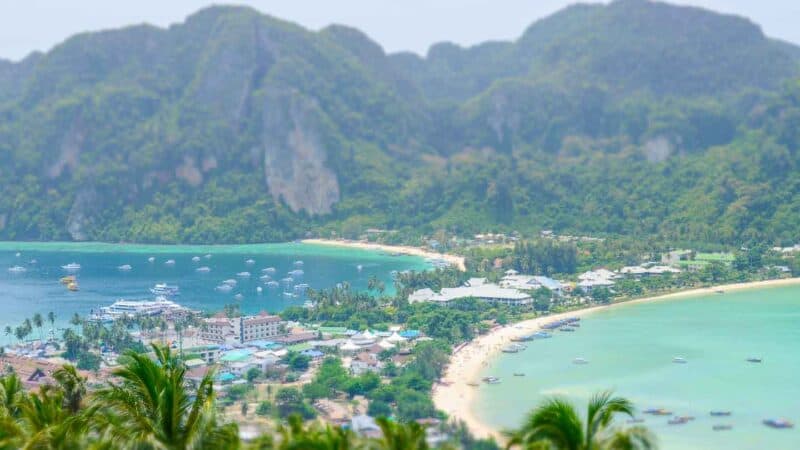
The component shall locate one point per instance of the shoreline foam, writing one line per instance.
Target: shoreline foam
(456, 397)
(455, 260)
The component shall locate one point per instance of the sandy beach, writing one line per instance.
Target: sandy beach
(455, 396)
(454, 260)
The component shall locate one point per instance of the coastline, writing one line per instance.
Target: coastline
(455, 397)
(455, 260)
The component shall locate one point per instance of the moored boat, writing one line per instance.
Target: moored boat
(169, 262)
(204, 269)
(17, 269)
(580, 361)
(720, 413)
(679, 360)
(165, 290)
(71, 267)
(754, 359)
(722, 427)
(125, 268)
(778, 423)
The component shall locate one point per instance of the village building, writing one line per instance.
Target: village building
(221, 329)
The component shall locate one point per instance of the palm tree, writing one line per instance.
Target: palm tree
(410, 436)
(75, 320)
(51, 317)
(557, 425)
(38, 321)
(152, 407)
(73, 385)
(294, 436)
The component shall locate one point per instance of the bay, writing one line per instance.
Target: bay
(630, 350)
(101, 282)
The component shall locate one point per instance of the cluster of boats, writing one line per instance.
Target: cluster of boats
(513, 348)
(682, 420)
(569, 324)
(532, 337)
(70, 282)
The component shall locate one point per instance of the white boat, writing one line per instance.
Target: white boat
(243, 274)
(33, 261)
(679, 360)
(204, 269)
(151, 259)
(238, 296)
(359, 267)
(207, 256)
(124, 267)
(169, 262)
(298, 263)
(165, 290)
(71, 267)
(230, 282)
(302, 287)
(297, 273)
(287, 281)
(195, 259)
(250, 262)
(18, 254)
(265, 278)
(258, 289)
(17, 269)
(133, 308)
(580, 361)
(272, 284)
(289, 295)
(224, 288)
(269, 270)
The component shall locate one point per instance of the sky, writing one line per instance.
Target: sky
(398, 25)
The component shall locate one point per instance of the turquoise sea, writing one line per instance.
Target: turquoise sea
(102, 283)
(630, 350)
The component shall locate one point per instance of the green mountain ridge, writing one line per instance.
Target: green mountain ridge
(635, 117)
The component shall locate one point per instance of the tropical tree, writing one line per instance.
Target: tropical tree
(152, 407)
(557, 425)
(396, 436)
(73, 385)
(38, 321)
(51, 317)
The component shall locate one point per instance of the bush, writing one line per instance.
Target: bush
(264, 409)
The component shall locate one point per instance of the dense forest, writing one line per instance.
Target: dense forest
(633, 118)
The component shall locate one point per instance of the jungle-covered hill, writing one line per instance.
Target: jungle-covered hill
(635, 117)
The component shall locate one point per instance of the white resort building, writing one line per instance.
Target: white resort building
(474, 288)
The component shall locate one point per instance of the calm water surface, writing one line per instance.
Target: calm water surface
(630, 350)
(101, 283)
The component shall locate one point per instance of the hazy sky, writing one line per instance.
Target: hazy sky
(27, 25)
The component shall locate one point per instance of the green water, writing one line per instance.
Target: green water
(38, 290)
(630, 350)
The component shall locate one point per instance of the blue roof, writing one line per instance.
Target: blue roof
(548, 282)
(410, 334)
(226, 376)
(312, 353)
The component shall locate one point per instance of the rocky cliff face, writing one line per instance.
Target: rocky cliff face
(294, 154)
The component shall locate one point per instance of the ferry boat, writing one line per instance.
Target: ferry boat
(17, 269)
(71, 267)
(124, 268)
(133, 308)
(165, 290)
(778, 423)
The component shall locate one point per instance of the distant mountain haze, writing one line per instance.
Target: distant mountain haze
(635, 117)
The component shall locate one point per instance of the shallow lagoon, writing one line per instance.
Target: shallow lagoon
(630, 350)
